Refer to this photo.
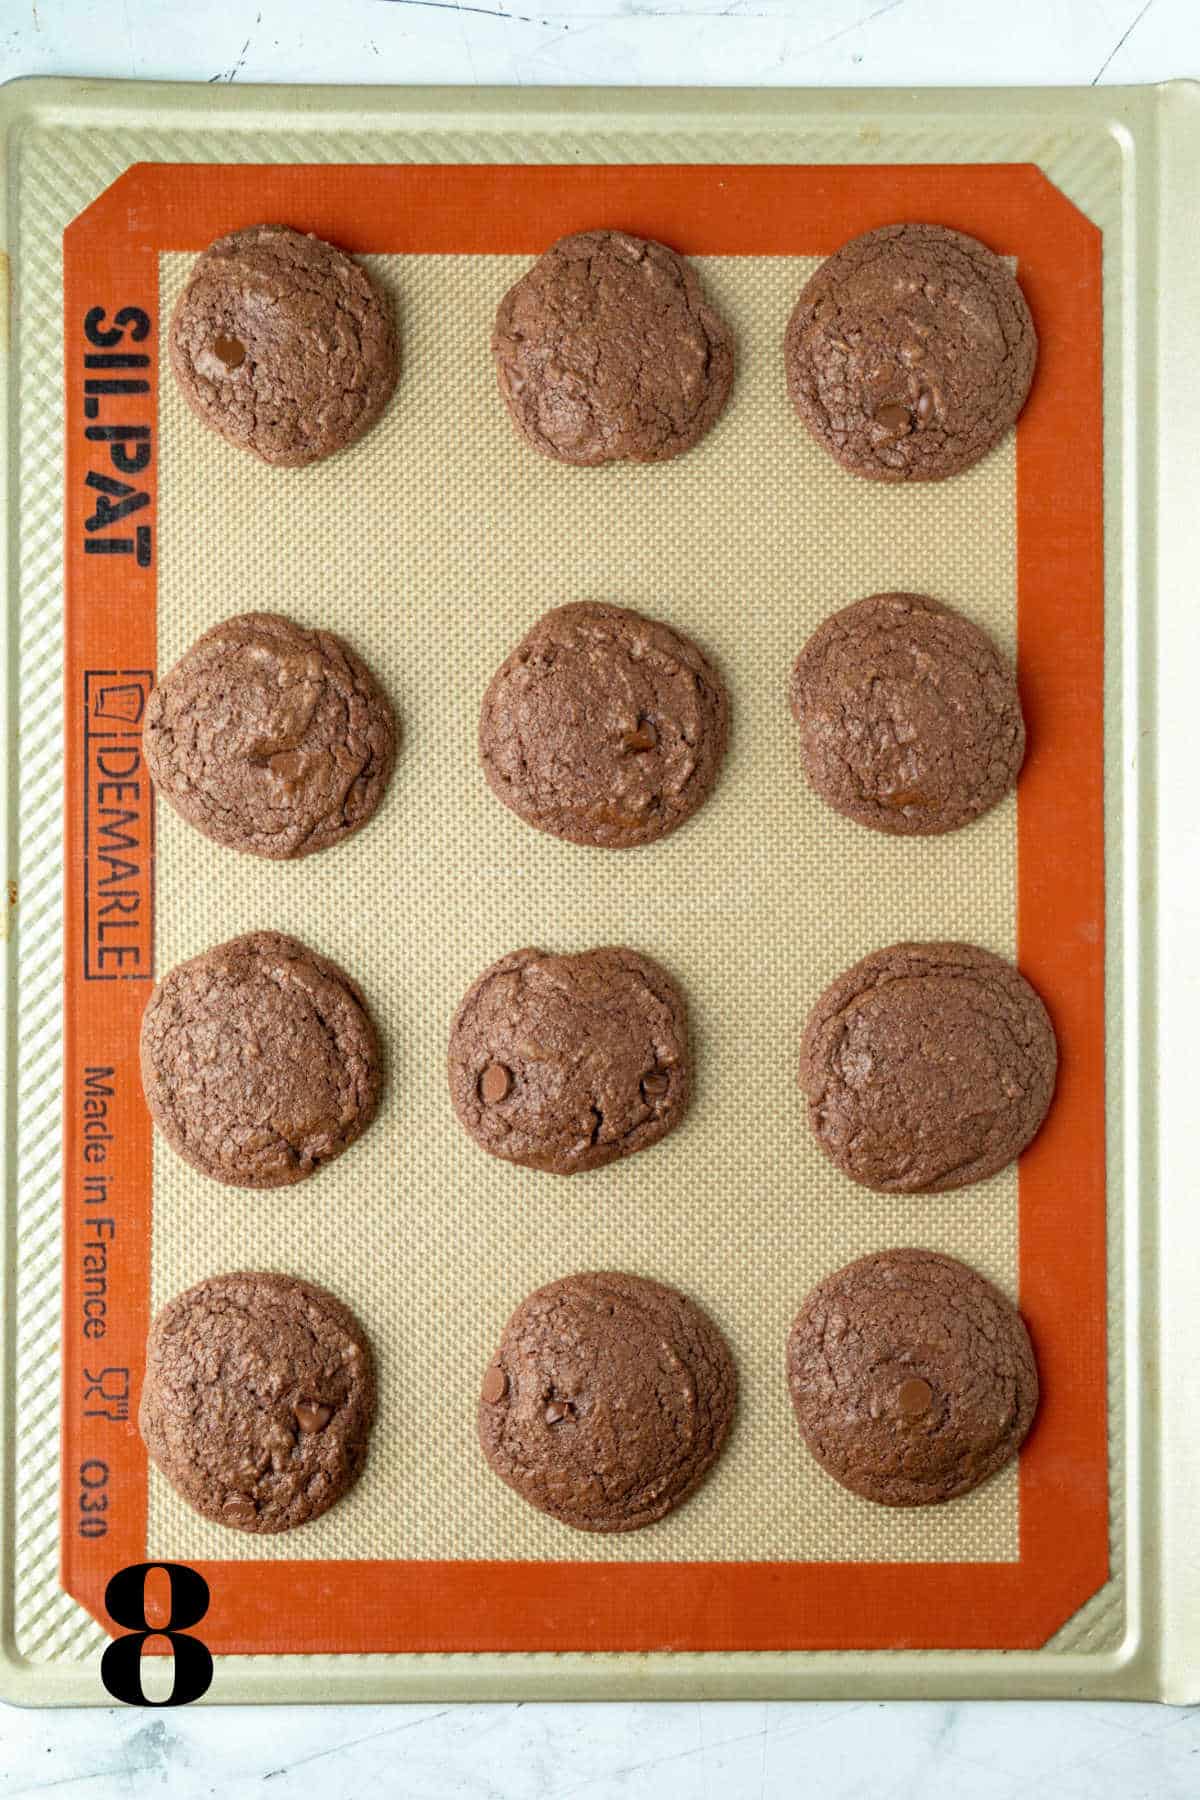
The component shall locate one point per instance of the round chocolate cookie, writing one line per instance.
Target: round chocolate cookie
(608, 1401)
(604, 727)
(259, 1061)
(270, 738)
(258, 1399)
(608, 351)
(910, 721)
(283, 345)
(910, 353)
(568, 1062)
(927, 1067)
(912, 1377)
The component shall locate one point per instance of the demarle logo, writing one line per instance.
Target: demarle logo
(118, 828)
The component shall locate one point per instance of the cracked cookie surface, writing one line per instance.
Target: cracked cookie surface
(607, 350)
(259, 1061)
(910, 721)
(927, 1067)
(283, 344)
(910, 353)
(564, 1063)
(608, 1400)
(270, 738)
(604, 727)
(258, 1399)
(913, 1378)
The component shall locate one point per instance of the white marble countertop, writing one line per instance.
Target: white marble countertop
(802, 43)
(843, 1751)
(779, 1751)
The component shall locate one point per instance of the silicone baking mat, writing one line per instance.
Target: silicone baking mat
(432, 545)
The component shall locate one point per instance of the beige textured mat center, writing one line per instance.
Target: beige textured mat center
(432, 546)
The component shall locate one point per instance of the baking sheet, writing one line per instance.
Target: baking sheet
(52, 1628)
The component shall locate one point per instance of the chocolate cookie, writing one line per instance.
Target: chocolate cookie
(258, 1399)
(912, 1377)
(910, 721)
(604, 727)
(283, 344)
(608, 351)
(259, 1061)
(910, 353)
(608, 1401)
(927, 1067)
(270, 738)
(568, 1062)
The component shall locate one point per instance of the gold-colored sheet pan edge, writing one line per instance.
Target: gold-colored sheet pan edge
(1064, 131)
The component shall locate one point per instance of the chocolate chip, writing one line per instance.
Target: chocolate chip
(495, 1084)
(655, 1084)
(239, 1509)
(557, 1410)
(231, 351)
(914, 1397)
(644, 738)
(894, 417)
(311, 1415)
(495, 1384)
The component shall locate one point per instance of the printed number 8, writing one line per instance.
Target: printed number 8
(125, 1603)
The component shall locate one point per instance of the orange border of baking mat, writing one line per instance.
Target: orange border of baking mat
(111, 263)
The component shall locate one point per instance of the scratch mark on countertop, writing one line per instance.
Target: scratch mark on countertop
(1122, 40)
(233, 73)
(130, 40)
(465, 35)
(146, 1751)
(352, 1743)
(858, 26)
(98, 1774)
(666, 15)
(655, 1762)
(483, 12)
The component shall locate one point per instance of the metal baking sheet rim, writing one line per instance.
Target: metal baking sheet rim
(1153, 539)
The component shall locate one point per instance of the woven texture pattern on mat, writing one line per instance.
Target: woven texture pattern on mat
(433, 545)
